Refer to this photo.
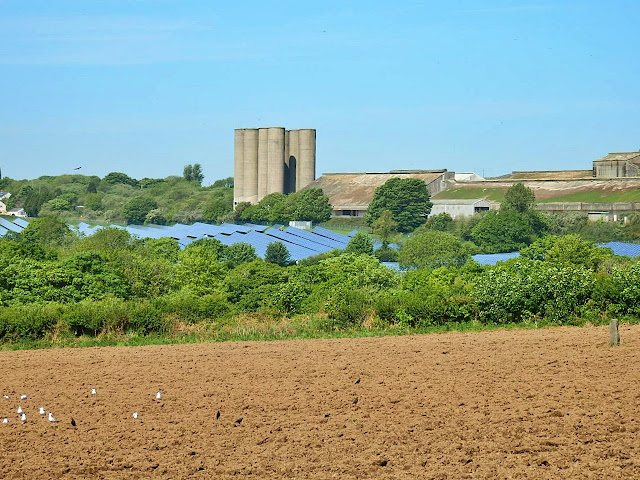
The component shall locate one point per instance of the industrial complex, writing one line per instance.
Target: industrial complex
(273, 159)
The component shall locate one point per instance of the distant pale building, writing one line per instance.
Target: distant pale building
(350, 193)
(462, 207)
(17, 212)
(616, 165)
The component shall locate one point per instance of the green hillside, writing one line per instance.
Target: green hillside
(456, 193)
(118, 198)
(597, 197)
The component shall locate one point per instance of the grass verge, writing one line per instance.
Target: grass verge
(256, 329)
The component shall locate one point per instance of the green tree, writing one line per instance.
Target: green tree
(360, 244)
(220, 204)
(136, 209)
(239, 253)
(48, 230)
(223, 182)
(441, 222)
(406, 198)
(92, 186)
(193, 173)
(269, 209)
(238, 212)
(433, 249)
(200, 268)
(187, 173)
(34, 198)
(277, 253)
(155, 217)
(385, 227)
(567, 249)
(311, 204)
(114, 178)
(508, 230)
(518, 198)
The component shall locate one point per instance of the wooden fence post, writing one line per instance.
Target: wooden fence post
(614, 334)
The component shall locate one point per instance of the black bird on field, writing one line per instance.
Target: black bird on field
(218, 415)
(73, 422)
(239, 421)
(357, 381)
(355, 400)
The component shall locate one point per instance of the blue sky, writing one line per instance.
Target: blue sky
(147, 86)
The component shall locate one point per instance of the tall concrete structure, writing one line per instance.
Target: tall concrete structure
(249, 166)
(268, 160)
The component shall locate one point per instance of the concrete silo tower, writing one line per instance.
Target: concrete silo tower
(238, 166)
(268, 160)
(306, 165)
(250, 165)
(275, 160)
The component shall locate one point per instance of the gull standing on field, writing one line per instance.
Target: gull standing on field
(41, 410)
(23, 418)
(52, 418)
(7, 397)
(94, 391)
(5, 420)
(135, 415)
(19, 409)
(23, 397)
(158, 395)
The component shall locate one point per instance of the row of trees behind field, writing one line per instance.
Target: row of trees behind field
(55, 284)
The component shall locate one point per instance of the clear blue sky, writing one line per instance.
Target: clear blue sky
(147, 86)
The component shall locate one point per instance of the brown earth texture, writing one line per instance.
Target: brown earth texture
(552, 403)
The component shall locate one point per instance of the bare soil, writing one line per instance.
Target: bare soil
(553, 403)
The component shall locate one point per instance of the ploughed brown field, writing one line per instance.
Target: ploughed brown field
(553, 403)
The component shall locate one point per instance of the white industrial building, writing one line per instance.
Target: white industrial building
(462, 207)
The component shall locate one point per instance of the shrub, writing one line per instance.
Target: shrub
(29, 322)
(523, 288)
(348, 308)
(147, 317)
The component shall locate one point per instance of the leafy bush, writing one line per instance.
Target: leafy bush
(348, 307)
(97, 317)
(522, 288)
(30, 322)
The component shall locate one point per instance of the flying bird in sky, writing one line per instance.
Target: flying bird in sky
(77, 168)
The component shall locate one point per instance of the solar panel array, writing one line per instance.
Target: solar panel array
(493, 258)
(300, 243)
(16, 226)
(623, 249)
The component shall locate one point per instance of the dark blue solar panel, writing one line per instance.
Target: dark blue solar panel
(312, 237)
(623, 249)
(288, 237)
(493, 258)
(3, 231)
(333, 235)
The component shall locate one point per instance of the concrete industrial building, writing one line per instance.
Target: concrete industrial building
(350, 193)
(617, 165)
(268, 160)
(457, 208)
